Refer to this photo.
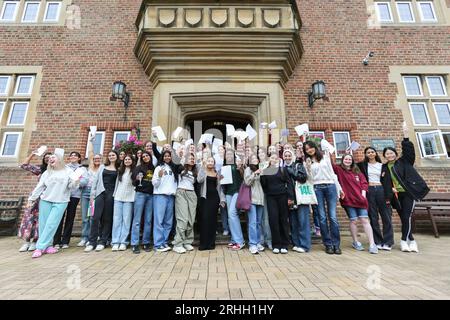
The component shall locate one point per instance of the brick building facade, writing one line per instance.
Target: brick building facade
(75, 50)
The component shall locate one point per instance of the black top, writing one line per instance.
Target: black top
(211, 188)
(145, 185)
(109, 179)
(275, 181)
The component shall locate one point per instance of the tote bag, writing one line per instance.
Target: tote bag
(244, 200)
(305, 194)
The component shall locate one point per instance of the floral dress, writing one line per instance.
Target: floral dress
(29, 226)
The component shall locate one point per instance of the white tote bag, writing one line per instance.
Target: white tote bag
(305, 193)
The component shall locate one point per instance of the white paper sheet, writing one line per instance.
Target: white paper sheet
(206, 138)
(230, 130)
(227, 175)
(273, 125)
(159, 133)
(263, 125)
(327, 146)
(302, 129)
(59, 152)
(216, 144)
(41, 151)
(355, 146)
(93, 130)
(241, 135)
(189, 142)
(176, 134)
(176, 146)
(251, 132)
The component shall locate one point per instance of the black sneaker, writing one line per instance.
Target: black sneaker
(147, 248)
(337, 250)
(136, 250)
(329, 250)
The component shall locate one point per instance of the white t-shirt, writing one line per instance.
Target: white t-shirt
(374, 172)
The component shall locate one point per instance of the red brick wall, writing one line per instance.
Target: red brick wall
(79, 67)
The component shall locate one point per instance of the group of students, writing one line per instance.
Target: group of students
(160, 192)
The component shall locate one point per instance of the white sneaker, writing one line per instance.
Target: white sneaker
(179, 249)
(114, 247)
(294, 248)
(57, 246)
(82, 243)
(254, 250)
(24, 247)
(413, 246)
(283, 251)
(380, 247)
(226, 232)
(404, 246)
(162, 249)
(260, 247)
(122, 247)
(188, 247)
(65, 246)
(299, 250)
(88, 248)
(276, 251)
(99, 247)
(386, 247)
(32, 246)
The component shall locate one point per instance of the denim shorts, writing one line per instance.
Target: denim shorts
(355, 213)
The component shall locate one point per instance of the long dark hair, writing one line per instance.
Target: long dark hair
(122, 168)
(147, 165)
(311, 144)
(170, 164)
(117, 163)
(353, 167)
(389, 148)
(186, 168)
(377, 157)
(44, 165)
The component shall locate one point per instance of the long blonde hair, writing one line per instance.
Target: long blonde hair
(60, 165)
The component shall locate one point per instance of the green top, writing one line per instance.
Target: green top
(397, 184)
(233, 188)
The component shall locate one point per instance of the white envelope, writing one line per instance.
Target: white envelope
(189, 142)
(59, 152)
(302, 129)
(230, 130)
(159, 133)
(93, 130)
(176, 133)
(251, 132)
(227, 175)
(273, 125)
(355, 146)
(327, 146)
(77, 174)
(41, 151)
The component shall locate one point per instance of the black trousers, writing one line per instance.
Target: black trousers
(103, 215)
(407, 207)
(278, 210)
(208, 222)
(69, 218)
(379, 208)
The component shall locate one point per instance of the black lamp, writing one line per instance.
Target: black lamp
(318, 91)
(119, 92)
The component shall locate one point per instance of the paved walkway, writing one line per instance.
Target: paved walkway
(223, 274)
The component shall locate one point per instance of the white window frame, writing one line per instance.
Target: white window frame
(102, 145)
(378, 11)
(436, 114)
(19, 141)
(25, 10)
(8, 83)
(18, 83)
(409, 3)
(120, 132)
(11, 112)
(418, 81)
(444, 143)
(59, 11)
(419, 8)
(426, 112)
(334, 141)
(422, 149)
(442, 84)
(317, 132)
(3, 104)
(17, 4)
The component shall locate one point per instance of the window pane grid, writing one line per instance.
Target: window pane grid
(9, 11)
(442, 113)
(52, 11)
(4, 82)
(412, 86)
(31, 12)
(426, 10)
(384, 12)
(18, 114)
(436, 86)
(24, 85)
(419, 114)
(405, 12)
(10, 144)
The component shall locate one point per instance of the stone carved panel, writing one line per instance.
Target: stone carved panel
(271, 17)
(245, 17)
(193, 17)
(219, 17)
(167, 17)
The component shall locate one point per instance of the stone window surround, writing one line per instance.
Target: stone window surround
(441, 9)
(42, 11)
(33, 100)
(396, 76)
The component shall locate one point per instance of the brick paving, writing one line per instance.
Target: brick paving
(223, 274)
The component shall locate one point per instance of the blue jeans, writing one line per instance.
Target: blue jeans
(50, 215)
(255, 217)
(316, 217)
(123, 212)
(143, 202)
(85, 219)
(327, 193)
(234, 222)
(301, 235)
(162, 224)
